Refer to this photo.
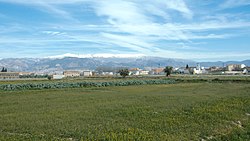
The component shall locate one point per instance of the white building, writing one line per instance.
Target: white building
(157, 71)
(144, 72)
(235, 67)
(58, 76)
(199, 70)
(182, 70)
(134, 72)
(71, 73)
(243, 66)
(9, 75)
(107, 73)
(87, 73)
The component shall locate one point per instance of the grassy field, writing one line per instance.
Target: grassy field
(184, 111)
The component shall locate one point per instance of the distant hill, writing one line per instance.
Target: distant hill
(220, 63)
(74, 63)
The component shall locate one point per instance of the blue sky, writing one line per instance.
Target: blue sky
(200, 30)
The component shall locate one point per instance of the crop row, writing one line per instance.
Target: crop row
(51, 85)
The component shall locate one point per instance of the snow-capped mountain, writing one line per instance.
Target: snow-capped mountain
(72, 62)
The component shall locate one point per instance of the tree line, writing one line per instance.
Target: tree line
(4, 69)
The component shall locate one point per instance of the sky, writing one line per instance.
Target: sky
(199, 30)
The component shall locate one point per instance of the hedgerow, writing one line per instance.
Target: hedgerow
(56, 85)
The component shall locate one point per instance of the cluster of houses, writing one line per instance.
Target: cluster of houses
(237, 69)
(132, 71)
(146, 71)
(73, 74)
(231, 69)
(191, 70)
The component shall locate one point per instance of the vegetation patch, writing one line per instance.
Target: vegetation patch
(57, 85)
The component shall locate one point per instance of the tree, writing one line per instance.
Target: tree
(49, 77)
(168, 70)
(123, 72)
(4, 70)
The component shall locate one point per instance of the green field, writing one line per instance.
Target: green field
(183, 111)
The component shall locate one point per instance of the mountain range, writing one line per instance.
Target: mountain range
(91, 63)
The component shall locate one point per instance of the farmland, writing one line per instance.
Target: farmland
(209, 110)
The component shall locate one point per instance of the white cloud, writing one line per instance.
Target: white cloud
(234, 3)
(120, 12)
(180, 6)
(54, 33)
(50, 6)
(133, 25)
(154, 10)
(135, 40)
(130, 42)
(104, 55)
(43, 1)
(172, 31)
(55, 10)
(113, 8)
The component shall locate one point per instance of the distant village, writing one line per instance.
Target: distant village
(231, 69)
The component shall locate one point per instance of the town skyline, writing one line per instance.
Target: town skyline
(181, 29)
